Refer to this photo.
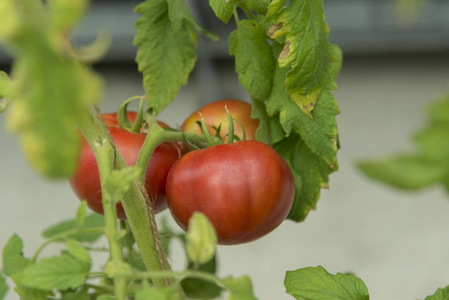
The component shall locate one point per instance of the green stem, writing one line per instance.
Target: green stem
(64, 235)
(133, 202)
(105, 152)
(193, 274)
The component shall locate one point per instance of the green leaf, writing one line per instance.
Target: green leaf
(153, 293)
(274, 8)
(10, 23)
(439, 111)
(222, 9)
(66, 13)
(196, 288)
(78, 251)
(316, 283)
(165, 56)
(62, 272)
(201, 239)
(178, 13)
(260, 6)
(3, 287)
(310, 172)
(307, 53)
(4, 91)
(253, 58)
(48, 97)
(440, 294)
(91, 221)
(81, 213)
(80, 294)
(239, 288)
(405, 171)
(117, 269)
(106, 297)
(319, 132)
(32, 294)
(13, 259)
(270, 130)
(433, 142)
(119, 182)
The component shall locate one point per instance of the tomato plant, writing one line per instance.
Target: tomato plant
(86, 180)
(246, 189)
(215, 116)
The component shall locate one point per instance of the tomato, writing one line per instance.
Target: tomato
(86, 180)
(215, 114)
(246, 189)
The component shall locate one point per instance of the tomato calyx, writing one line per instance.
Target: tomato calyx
(217, 139)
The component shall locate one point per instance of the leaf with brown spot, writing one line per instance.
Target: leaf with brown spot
(307, 53)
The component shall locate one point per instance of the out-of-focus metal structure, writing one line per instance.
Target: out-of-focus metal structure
(358, 26)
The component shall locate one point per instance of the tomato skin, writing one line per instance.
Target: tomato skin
(214, 114)
(86, 181)
(246, 189)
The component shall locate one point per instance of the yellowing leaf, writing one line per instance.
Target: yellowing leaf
(307, 53)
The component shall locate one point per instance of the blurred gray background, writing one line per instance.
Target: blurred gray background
(397, 242)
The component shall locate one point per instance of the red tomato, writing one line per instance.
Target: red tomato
(215, 114)
(86, 180)
(246, 189)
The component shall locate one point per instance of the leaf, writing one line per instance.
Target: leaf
(433, 142)
(270, 130)
(81, 213)
(117, 269)
(65, 14)
(10, 19)
(253, 58)
(5, 83)
(222, 9)
(274, 8)
(62, 273)
(165, 56)
(316, 283)
(82, 295)
(153, 293)
(439, 110)
(310, 172)
(405, 171)
(78, 251)
(201, 239)
(48, 100)
(32, 294)
(319, 132)
(307, 53)
(13, 259)
(196, 288)
(260, 6)
(3, 287)
(106, 297)
(239, 288)
(91, 221)
(440, 294)
(119, 182)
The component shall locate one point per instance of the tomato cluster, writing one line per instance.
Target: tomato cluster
(245, 188)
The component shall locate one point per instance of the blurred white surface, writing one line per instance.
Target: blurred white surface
(397, 242)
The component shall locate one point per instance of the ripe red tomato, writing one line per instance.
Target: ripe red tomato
(246, 189)
(215, 114)
(86, 180)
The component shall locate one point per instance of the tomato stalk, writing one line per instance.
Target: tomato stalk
(133, 202)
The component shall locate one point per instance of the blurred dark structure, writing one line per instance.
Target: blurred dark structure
(359, 27)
